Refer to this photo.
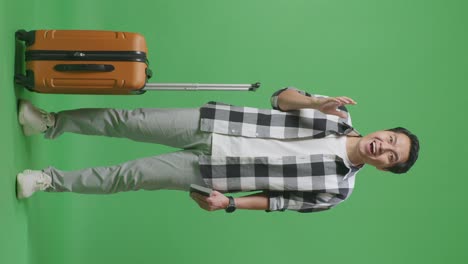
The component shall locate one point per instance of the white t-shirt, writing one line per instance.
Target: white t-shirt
(238, 146)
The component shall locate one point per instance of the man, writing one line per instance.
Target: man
(303, 155)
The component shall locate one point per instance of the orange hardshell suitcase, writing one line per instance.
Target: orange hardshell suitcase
(94, 62)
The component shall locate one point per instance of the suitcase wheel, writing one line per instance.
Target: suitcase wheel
(27, 36)
(20, 79)
(25, 80)
(137, 92)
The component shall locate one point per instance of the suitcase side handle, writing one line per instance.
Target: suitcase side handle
(84, 67)
(201, 87)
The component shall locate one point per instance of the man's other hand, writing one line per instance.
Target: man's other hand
(216, 201)
(329, 105)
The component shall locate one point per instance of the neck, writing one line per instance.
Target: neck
(352, 150)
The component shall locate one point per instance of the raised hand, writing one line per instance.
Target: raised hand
(329, 105)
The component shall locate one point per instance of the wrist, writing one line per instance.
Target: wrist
(226, 202)
(231, 206)
(314, 102)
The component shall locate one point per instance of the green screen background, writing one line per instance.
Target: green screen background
(403, 61)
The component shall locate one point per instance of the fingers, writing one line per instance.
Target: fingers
(216, 201)
(206, 203)
(331, 104)
(345, 100)
(216, 193)
(338, 113)
(339, 101)
(200, 200)
(196, 196)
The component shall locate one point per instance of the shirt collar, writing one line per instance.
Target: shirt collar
(352, 172)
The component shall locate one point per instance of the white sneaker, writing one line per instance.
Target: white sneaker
(33, 119)
(30, 181)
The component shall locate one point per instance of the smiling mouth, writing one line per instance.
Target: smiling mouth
(373, 148)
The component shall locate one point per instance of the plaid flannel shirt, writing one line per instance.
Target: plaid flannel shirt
(302, 183)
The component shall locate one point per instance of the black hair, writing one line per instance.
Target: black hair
(403, 167)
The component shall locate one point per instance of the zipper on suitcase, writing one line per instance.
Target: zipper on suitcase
(63, 55)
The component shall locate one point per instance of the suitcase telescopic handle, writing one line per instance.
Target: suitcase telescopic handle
(201, 86)
(84, 67)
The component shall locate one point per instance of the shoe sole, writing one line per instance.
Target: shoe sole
(22, 106)
(19, 190)
(27, 130)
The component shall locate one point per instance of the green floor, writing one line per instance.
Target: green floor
(405, 62)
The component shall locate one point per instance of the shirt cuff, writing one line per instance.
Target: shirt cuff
(276, 203)
(274, 97)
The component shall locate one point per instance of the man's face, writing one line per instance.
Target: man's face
(383, 149)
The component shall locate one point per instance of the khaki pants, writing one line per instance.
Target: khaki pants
(178, 128)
